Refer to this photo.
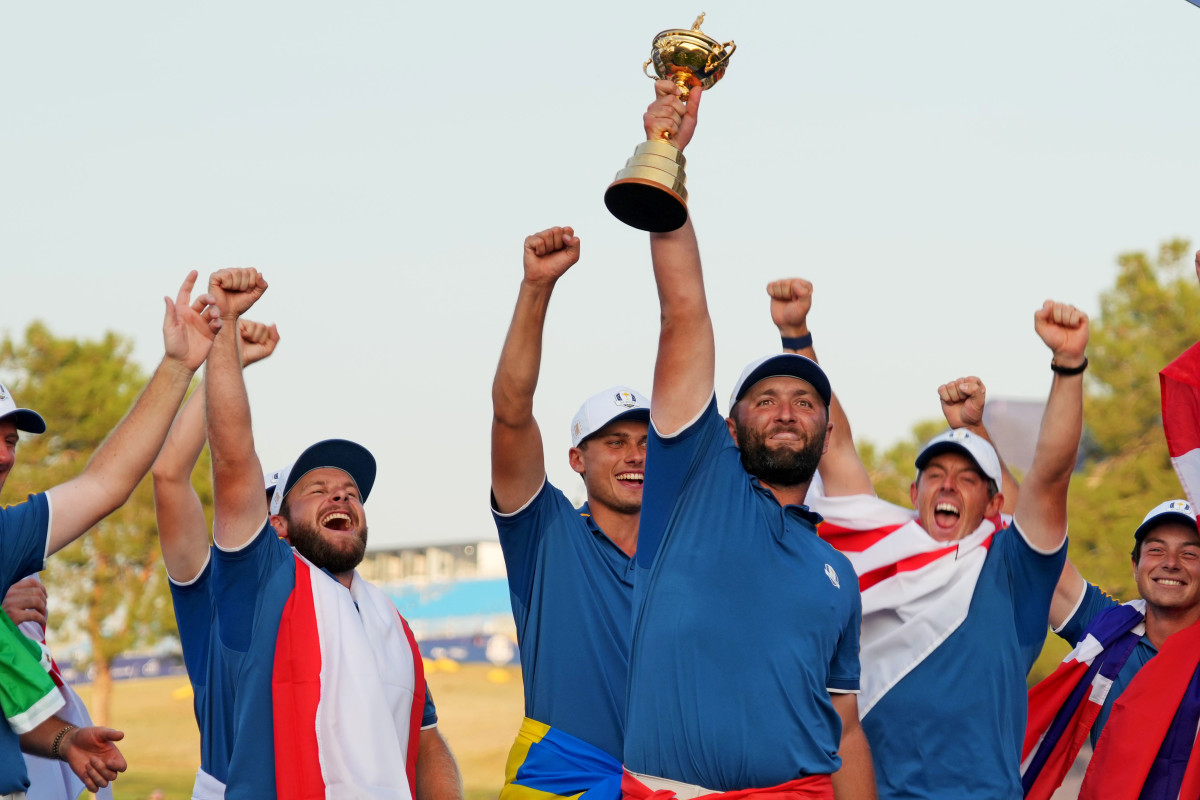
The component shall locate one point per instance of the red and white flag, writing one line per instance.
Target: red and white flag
(915, 590)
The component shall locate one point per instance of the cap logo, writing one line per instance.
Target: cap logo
(959, 435)
(577, 428)
(1180, 505)
(625, 399)
(832, 575)
(3, 392)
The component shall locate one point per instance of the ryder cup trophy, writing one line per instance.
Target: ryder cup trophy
(650, 193)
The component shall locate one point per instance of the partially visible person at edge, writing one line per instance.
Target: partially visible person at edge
(1132, 683)
(570, 571)
(951, 598)
(325, 688)
(48, 521)
(183, 537)
(744, 657)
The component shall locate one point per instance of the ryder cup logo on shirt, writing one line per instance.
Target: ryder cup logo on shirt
(833, 578)
(624, 399)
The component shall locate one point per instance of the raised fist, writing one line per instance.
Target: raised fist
(236, 290)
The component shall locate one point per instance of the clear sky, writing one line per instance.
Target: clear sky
(937, 168)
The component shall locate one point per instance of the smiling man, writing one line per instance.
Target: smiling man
(1131, 684)
(570, 570)
(318, 672)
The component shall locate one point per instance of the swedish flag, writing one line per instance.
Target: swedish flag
(547, 764)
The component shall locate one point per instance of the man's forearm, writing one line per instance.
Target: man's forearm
(685, 367)
(437, 773)
(521, 357)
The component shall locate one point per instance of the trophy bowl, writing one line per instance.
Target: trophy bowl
(689, 57)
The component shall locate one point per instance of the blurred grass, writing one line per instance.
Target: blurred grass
(479, 711)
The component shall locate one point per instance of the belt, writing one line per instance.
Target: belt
(683, 791)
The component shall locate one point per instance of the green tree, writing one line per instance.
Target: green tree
(109, 585)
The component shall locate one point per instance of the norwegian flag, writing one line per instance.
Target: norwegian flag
(1064, 706)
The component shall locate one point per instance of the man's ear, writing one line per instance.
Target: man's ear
(912, 493)
(575, 457)
(279, 523)
(994, 505)
(732, 429)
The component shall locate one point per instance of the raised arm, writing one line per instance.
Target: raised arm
(685, 368)
(518, 463)
(182, 529)
(842, 471)
(124, 457)
(962, 405)
(239, 502)
(1041, 510)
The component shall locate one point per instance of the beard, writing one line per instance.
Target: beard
(782, 466)
(338, 556)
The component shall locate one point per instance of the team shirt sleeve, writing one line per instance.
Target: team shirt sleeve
(520, 540)
(24, 534)
(239, 575)
(844, 668)
(1094, 601)
(1033, 574)
(670, 463)
(429, 716)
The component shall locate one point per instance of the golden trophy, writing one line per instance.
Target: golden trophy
(650, 193)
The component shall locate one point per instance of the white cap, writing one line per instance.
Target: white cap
(23, 418)
(617, 402)
(962, 440)
(1180, 510)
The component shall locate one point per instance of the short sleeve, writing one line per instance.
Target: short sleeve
(844, 668)
(670, 462)
(238, 578)
(520, 539)
(1032, 576)
(429, 716)
(1093, 602)
(24, 533)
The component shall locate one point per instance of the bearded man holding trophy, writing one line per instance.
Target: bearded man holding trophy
(744, 654)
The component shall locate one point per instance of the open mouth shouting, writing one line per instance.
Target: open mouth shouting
(946, 514)
(337, 521)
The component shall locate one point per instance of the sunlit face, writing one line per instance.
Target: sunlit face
(8, 448)
(781, 427)
(613, 465)
(1168, 568)
(323, 518)
(951, 497)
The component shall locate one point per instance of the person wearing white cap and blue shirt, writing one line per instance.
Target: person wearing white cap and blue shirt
(48, 521)
(951, 597)
(1144, 659)
(744, 657)
(570, 570)
(325, 687)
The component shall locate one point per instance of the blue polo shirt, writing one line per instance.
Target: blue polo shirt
(953, 727)
(24, 536)
(195, 616)
(572, 597)
(744, 621)
(1090, 605)
(250, 586)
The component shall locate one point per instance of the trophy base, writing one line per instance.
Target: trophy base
(646, 204)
